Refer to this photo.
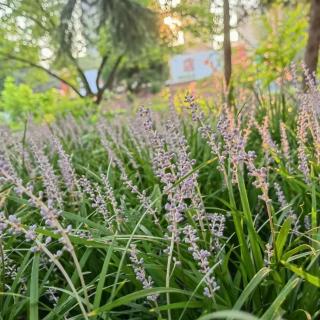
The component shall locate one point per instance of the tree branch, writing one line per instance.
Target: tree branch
(110, 79)
(102, 64)
(37, 22)
(49, 72)
(113, 72)
(81, 74)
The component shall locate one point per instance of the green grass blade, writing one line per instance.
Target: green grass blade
(178, 305)
(102, 277)
(34, 288)
(134, 296)
(282, 237)
(314, 222)
(237, 315)
(286, 256)
(272, 311)
(24, 265)
(252, 285)
(253, 236)
(314, 280)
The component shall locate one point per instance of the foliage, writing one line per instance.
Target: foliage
(116, 221)
(196, 19)
(285, 29)
(18, 102)
(128, 22)
(148, 68)
(52, 37)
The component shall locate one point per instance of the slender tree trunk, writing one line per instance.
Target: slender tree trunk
(312, 51)
(109, 82)
(227, 43)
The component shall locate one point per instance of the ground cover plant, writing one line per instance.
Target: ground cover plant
(164, 215)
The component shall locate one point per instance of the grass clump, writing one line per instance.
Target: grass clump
(178, 216)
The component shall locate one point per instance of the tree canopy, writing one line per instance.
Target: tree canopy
(53, 36)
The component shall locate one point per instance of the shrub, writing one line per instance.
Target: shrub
(19, 101)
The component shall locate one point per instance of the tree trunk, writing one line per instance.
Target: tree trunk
(312, 50)
(226, 42)
(109, 82)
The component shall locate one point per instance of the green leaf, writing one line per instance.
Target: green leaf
(24, 265)
(272, 311)
(34, 288)
(237, 315)
(253, 235)
(134, 296)
(286, 256)
(282, 237)
(102, 277)
(252, 285)
(178, 305)
(314, 280)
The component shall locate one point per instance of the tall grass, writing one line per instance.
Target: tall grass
(164, 215)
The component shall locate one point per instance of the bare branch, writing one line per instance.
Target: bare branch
(100, 69)
(81, 74)
(49, 72)
(110, 79)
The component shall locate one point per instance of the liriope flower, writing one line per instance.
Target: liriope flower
(94, 191)
(216, 227)
(165, 170)
(144, 200)
(65, 166)
(184, 164)
(111, 197)
(49, 178)
(269, 146)
(140, 272)
(118, 143)
(7, 172)
(269, 253)
(260, 175)
(201, 257)
(284, 142)
(116, 161)
(234, 143)
(207, 133)
(302, 130)
(284, 205)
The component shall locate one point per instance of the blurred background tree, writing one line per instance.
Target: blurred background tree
(312, 51)
(86, 48)
(284, 37)
(53, 37)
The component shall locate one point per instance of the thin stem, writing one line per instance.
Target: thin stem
(168, 272)
(43, 248)
(272, 228)
(57, 224)
(2, 269)
(65, 274)
(314, 222)
(124, 254)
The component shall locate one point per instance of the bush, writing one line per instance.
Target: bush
(18, 102)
